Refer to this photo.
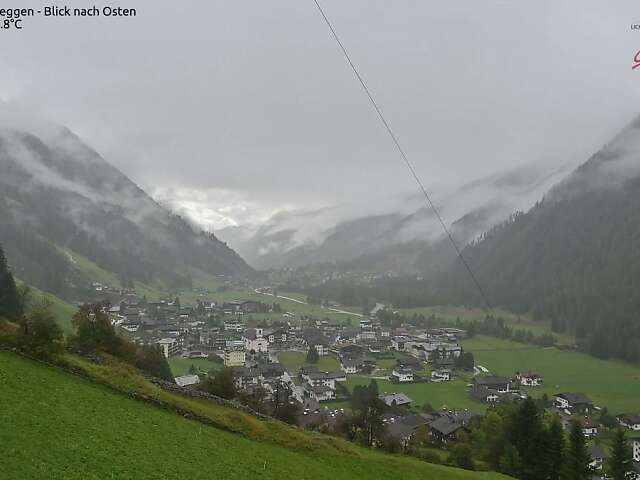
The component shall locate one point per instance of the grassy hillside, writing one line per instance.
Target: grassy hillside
(55, 425)
(62, 311)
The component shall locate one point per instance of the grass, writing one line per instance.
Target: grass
(450, 395)
(55, 425)
(449, 314)
(180, 366)
(609, 383)
(292, 361)
(61, 310)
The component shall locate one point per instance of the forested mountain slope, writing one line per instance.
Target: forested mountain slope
(574, 258)
(57, 196)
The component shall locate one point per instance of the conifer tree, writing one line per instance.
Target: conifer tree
(9, 298)
(621, 457)
(576, 466)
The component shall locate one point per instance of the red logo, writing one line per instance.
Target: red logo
(636, 61)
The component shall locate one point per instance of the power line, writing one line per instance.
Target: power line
(404, 157)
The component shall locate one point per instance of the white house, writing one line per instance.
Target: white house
(529, 379)
(636, 449)
(398, 342)
(589, 427)
(322, 349)
(351, 366)
(572, 401)
(630, 421)
(320, 393)
(169, 347)
(442, 375)
(402, 375)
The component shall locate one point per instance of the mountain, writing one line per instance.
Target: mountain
(574, 258)
(390, 235)
(59, 198)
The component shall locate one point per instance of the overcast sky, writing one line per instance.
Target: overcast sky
(235, 109)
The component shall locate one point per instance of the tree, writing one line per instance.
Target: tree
(94, 332)
(620, 462)
(462, 456)
(367, 413)
(253, 399)
(576, 466)
(193, 370)
(524, 434)
(312, 355)
(9, 299)
(554, 445)
(222, 384)
(465, 361)
(151, 360)
(510, 461)
(24, 298)
(40, 334)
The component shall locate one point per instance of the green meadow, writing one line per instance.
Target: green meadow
(58, 426)
(609, 383)
(292, 361)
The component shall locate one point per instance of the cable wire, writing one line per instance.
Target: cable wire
(405, 158)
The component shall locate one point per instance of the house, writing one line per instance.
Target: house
(529, 379)
(589, 427)
(409, 362)
(366, 335)
(499, 384)
(630, 421)
(327, 379)
(272, 370)
(276, 335)
(252, 306)
(169, 347)
(484, 394)
(396, 400)
(404, 427)
(314, 338)
(234, 357)
(441, 375)
(573, 401)
(351, 366)
(398, 342)
(598, 457)
(401, 375)
(247, 377)
(444, 362)
(320, 393)
(444, 429)
(187, 380)
(635, 446)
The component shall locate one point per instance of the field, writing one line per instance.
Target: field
(519, 322)
(180, 366)
(450, 395)
(609, 383)
(292, 361)
(55, 425)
